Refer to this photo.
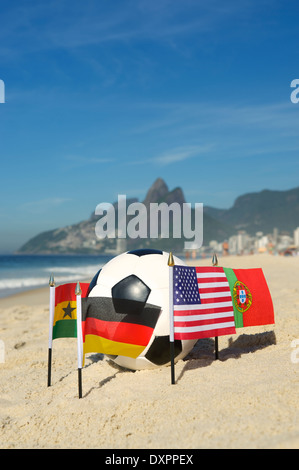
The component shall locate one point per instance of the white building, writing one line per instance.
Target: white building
(232, 244)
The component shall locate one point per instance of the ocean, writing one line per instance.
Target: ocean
(19, 273)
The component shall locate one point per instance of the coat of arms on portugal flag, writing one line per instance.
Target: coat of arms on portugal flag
(242, 296)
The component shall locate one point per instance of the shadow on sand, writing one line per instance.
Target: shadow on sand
(203, 353)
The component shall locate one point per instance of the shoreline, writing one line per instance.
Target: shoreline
(35, 296)
(40, 295)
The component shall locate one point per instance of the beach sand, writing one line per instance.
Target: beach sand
(247, 399)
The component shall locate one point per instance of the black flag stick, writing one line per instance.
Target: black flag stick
(216, 348)
(51, 319)
(171, 327)
(78, 293)
(215, 263)
(49, 366)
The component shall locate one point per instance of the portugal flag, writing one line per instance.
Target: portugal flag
(251, 297)
(107, 331)
(65, 314)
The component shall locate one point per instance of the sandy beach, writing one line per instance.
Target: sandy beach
(247, 399)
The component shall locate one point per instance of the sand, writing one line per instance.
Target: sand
(247, 399)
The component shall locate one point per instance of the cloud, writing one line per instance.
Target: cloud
(173, 156)
(79, 160)
(74, 24)
(43, 205)
(227, 130)
(180, 154)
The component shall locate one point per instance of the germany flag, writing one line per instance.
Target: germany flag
(111, 332)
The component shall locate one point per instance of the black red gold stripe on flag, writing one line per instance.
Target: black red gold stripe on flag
(110, 332)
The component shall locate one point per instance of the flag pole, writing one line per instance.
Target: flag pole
(51, 320)
(171, 325)
(78, 294)
(215, 263)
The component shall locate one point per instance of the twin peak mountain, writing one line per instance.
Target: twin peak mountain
(262, 211)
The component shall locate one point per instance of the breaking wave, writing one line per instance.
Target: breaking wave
(78, 270)
(19, 283)
(21, 273)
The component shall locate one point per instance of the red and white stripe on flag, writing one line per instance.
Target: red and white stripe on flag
(213, 314)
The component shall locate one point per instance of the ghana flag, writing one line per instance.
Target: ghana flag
(251, 297)
(65, 313)
(107, 331)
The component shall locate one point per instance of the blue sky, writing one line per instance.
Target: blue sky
(102, 97)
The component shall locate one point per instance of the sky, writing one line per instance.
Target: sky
(103, 97)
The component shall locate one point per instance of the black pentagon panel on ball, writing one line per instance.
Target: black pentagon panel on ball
(93, 282)
(159, 351)
(145, 251)
(130, 295)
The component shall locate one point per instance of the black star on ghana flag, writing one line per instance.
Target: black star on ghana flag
(68, 311)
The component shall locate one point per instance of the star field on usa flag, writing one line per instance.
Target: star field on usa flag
(185, 286)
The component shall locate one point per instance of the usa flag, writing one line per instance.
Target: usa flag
(202, 303)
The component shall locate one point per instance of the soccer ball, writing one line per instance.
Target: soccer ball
(137, 280)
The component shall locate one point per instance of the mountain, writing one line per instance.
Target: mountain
(252, 212)
(159, 192)
(81, 237)
(262, 211)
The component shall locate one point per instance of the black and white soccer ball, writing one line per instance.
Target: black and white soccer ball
(142, 276)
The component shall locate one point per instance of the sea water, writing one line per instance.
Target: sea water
(19, 273)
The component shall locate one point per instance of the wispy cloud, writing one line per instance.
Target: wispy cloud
(180, 154)
(202, 114)
(237, 129)
(73, 24)
(173, 155)
(43, 205)
(78, 160)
